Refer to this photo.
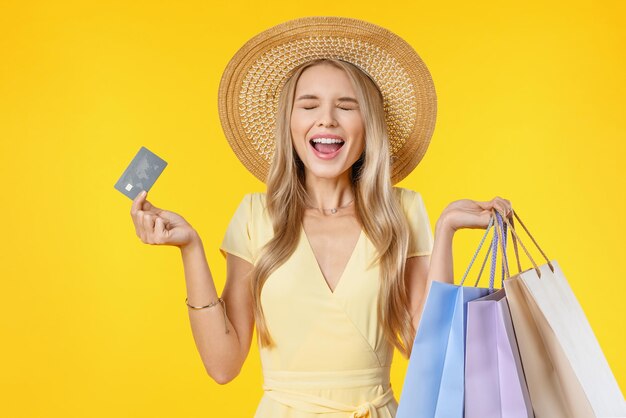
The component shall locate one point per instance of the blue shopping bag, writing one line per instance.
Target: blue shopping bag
(435, 380)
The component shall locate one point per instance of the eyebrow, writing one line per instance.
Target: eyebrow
(341, 99)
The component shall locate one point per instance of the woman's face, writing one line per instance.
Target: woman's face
(326, 123)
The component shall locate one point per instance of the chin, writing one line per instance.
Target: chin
(327, 172)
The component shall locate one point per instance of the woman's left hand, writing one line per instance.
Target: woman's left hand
(466, 213)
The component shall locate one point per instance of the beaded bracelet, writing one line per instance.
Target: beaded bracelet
(210, 305)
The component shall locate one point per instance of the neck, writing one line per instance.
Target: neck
(328, 193)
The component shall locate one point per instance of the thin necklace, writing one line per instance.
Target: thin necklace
(333, 210)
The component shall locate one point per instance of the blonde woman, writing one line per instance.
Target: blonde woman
(332, 263)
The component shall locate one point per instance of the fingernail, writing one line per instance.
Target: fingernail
(143, 193)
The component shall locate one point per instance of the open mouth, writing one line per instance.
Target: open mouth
(326, 145)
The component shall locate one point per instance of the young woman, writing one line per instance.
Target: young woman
(332, 263)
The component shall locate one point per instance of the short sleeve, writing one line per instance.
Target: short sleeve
(420, 234)
(237, 239)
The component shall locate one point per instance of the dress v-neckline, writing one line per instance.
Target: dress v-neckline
(317, 264)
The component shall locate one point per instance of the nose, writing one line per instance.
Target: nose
(327, 118)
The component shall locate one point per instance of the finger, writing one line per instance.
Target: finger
(508, 207)
(139, 228)
(159, 229)
(485, 205)
(499, 208)
(159, 226)
(148, 224)
(507, 212)
(138, 202)
(503, 206)
(136, 216)
(146, 206)
(502, 200)
(493, 204)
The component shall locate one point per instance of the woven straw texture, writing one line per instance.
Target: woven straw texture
(254, 77)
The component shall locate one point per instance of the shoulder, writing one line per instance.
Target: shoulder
(421, 238)
(256, 211)
(252, 202)
(256, 201)
(408, 198)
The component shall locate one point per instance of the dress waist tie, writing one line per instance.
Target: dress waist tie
(282, 386)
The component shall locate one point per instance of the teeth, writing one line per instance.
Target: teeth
(327, 141)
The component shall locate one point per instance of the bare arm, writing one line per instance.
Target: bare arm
(223, 354)
(421, 270)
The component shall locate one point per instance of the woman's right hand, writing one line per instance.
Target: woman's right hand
(159, 227)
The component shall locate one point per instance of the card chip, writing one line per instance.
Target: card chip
(129, 186)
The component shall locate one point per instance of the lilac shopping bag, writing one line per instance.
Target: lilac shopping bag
(495, 386)
(434, 382)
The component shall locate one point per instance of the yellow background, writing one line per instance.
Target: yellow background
(93, 321)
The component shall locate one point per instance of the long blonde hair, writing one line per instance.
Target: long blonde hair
(381, 215)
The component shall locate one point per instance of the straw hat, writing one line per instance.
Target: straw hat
(252, 81)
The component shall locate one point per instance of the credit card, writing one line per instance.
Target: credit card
(141, 173)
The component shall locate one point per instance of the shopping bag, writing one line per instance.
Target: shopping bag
(495, 386)
(434, 381)
(565, 368)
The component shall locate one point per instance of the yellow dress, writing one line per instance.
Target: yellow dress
(331, 359)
